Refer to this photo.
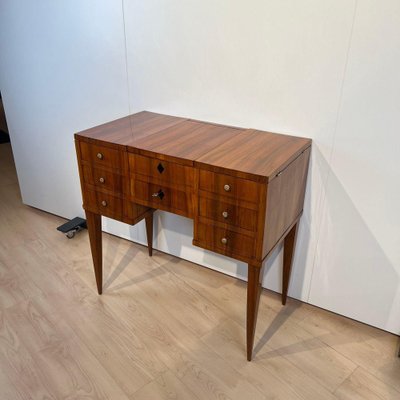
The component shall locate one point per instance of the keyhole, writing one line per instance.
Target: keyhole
(160, 168)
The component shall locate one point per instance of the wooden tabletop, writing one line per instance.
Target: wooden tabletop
(252, 152)
(186, 141)
(125, 131)
(247, 153)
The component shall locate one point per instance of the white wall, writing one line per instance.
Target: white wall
(62, 69)
(322, 69)
(360, 228)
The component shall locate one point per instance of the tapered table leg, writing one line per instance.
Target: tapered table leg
(93, 222)
(254, 277)
(288, 251)
(149, 232)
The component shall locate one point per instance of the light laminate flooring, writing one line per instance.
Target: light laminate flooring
(164, 328)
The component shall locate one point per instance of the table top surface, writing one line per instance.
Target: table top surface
(246, 153)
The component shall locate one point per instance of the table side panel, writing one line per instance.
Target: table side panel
(285, 200)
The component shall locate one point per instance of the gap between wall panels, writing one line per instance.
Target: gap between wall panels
(325, 184)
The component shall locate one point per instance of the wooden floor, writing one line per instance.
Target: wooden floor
(164, 328)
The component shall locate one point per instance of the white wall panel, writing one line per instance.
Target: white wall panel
(273, 65)
(357, 271)
(62, 69)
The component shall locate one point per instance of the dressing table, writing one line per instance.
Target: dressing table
(243, 188)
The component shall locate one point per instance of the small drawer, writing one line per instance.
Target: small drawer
(101, 155)
(230, 186)
(102, 179)
(101, 203)
(224, 241)
(160, 170)
(162, 197)
(228, 213)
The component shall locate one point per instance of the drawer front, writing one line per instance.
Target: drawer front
(228, 213)
(224, 241)
(168, 199)
(102, 203)
(161, 171)
(102, 179)
(100, 155)
(230, 186)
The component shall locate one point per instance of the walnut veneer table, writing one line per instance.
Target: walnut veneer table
(243, 188)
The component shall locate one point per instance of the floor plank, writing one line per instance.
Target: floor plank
(362, 385)
(165, 387)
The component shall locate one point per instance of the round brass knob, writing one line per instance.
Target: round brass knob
(99, 156)
(227, 188)
(225, 214)
(224, 240)
(102, 180)
(104, 203)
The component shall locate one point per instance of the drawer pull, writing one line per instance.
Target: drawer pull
(224, 240)
(102, 180)
(225, 214)
(104, 203)
(100, 156)
(159, 194)
(227, 188)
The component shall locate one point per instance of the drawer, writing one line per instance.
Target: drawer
(168, 199)
(102, 203)
(160, 170)
(102, 179)
(217, 210)
(224, 241)
(101, 155)
(230, 186)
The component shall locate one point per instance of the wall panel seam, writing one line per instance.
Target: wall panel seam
(322, 198)
(128, 90)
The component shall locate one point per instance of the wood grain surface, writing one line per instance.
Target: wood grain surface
(228, 213)
(171, 199)
(128, 129)
(184, 142)
(242, 189)
(161, 171)
(285, 200)
(254, 155)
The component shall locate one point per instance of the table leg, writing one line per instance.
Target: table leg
(93, 222)
(149, 232)
(288, 251)
(254, 277)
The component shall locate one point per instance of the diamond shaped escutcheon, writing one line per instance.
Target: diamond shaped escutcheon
(160, 168)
